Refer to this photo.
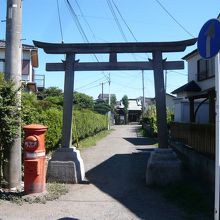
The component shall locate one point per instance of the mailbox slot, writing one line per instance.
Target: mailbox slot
(32, 167)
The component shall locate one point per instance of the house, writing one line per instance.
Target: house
(32, 81)
(195, 100)
(197, 96)
(134, 111)
(105, 97)
(170, 103)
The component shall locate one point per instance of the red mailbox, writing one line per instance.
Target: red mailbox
(34, 158)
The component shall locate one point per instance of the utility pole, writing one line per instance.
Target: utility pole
(109, 102)
(13, 72)
(165, 83)
(102, 90)
(143, 101)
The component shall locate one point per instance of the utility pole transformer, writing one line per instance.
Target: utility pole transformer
(13, 72)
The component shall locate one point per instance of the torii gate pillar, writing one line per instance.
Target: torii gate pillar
(160, 96)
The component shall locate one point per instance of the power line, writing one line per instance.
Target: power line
(174, 71)
(84, 18)
(90, 83)
(116, 20)
(61, 30)
(129, 29)
(177, 22)
(77, 22)
(79, 26)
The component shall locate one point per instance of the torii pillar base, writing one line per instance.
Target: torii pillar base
(163, 167)
(66, 166)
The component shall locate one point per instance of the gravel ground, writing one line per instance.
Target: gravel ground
(115, 169)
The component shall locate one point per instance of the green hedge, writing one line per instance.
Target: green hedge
(88, 123)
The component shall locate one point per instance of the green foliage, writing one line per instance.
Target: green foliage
(29, 108)
(52, 118)
(9, 115)
(125, 102)
(81, 100)
(113, 102)
(150, 117)
(52, 91)
(101, 107)
(88, 123)
(49, 113)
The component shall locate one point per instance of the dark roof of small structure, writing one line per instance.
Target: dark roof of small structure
(187, 56)
(191, 86)
(24, 46)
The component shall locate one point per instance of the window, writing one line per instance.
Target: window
(25, 67)
(206, 69)
(2, 65)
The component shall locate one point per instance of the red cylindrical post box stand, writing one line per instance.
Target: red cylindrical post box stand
(34, 158)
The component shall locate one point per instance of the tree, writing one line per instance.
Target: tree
(113, 102)
(101, 107)
(125, 103)
(51, 91)
(81, 100)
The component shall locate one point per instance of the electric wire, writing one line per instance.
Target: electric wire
(122, 18)
(126, 24)
(90, 83)
(61, 29)
(79, 26)
(177, 22)
(174, 71)
(116, 20)
(77, 22)
(85, 20)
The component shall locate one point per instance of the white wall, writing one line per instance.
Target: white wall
(192, 74)
(26, 55)
(181, 112)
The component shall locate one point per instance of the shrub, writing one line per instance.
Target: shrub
(9, 116)
(52, 118)
(150, 117)
(88, 123)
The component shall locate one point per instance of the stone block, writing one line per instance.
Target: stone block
(163, 168)
(61, 171)
(66, 165)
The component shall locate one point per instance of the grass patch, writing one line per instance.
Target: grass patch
(192, 198)
(91, 141)
(54, 191)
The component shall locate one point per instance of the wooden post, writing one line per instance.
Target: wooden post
(160, 99)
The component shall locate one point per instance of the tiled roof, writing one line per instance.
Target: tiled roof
(24, 46)
(191, 86)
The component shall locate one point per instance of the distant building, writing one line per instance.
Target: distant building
(105, 96)
(152, 101)
(134, 110)
(29, 62)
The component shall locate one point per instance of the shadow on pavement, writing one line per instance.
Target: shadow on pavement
(141, 141)
(123, 178)
(68, 218)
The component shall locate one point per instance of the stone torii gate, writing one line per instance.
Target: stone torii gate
(157, 64)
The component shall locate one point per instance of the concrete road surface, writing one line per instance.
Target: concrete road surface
(115, 169)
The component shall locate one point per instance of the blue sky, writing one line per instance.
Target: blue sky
(147, 20)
